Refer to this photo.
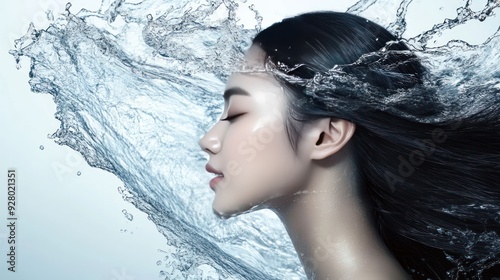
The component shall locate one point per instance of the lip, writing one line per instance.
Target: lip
(217, 178)
(210, 169)
(214, 181)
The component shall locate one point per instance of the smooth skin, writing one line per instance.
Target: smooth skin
(313, 191)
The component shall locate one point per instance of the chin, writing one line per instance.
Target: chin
(224, 214)
(227, 211)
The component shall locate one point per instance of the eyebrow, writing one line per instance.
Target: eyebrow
(234, 91)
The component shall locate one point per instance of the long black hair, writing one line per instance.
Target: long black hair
(432, 178)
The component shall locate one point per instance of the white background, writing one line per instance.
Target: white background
(70, 226)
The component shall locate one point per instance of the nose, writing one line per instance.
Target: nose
(210, 142)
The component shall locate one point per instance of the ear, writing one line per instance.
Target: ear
(327, 136)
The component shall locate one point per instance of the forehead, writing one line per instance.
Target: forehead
(253, 78)
(254, 57)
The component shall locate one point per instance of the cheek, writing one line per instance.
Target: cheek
(259, 164)
(251, 139)
(265, 163)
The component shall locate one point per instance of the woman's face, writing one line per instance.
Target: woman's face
(251, 149)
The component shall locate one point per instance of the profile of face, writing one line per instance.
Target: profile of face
(249, 145)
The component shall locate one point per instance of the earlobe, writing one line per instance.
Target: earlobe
(331, 135)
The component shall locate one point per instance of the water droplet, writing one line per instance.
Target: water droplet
(129, 216)
(42, 147)
(50, 15)
(78, 173)
(149, 17)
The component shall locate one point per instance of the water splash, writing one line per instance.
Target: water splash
(127, 215)
(139, 88)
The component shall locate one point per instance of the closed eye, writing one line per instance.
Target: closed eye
(229, 118)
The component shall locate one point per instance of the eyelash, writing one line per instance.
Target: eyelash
(229, 118)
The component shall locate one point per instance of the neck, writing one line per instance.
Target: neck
(332, 230)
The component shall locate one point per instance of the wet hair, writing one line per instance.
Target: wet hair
(433, 184)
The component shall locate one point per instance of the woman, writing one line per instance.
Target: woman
(334, 130)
